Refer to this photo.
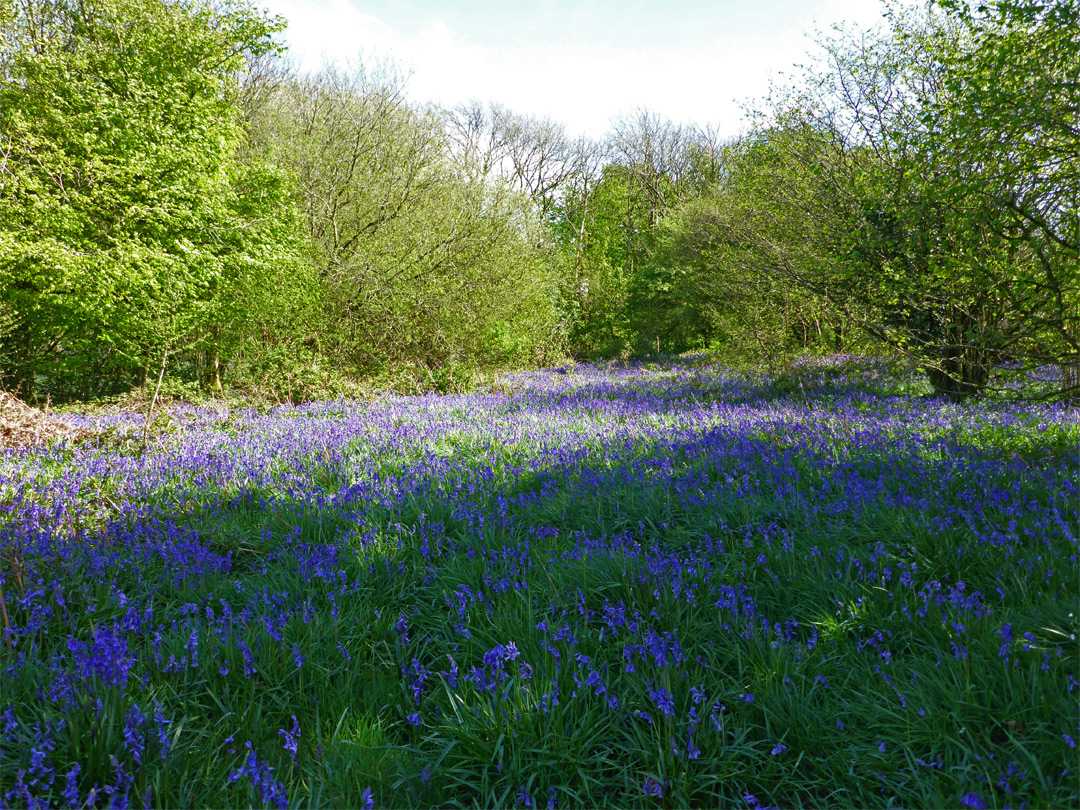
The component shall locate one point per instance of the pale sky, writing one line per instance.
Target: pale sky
(581, 63)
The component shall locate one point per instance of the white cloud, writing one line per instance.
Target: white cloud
(580, 83)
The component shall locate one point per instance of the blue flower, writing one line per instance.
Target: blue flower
(292, 738)
(71, 786)
(653, 788)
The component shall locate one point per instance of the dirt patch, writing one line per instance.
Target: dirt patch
(24, 426)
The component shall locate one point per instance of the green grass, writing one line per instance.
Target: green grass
(627, 576)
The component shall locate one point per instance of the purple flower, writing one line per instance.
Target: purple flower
(779, 748)
(973, 800)
(368, 798)
(261, 774)
(134, 736)
(663, 700)
(414, 719)
(292, 738)
(71, 786)
(1069, 740)
(653, 788)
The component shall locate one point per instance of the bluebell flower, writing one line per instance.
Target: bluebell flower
(70, 792)
(292, 738)
(653, 788)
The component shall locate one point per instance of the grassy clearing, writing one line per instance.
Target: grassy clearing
(634, 587)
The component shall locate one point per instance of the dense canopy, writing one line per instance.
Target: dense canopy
(178, 202)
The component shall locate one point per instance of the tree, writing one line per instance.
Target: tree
(425, 255)
(534, 155)
(1009, 113)
(121, 217)
(590, 230)
(857, 192)
(654, 152)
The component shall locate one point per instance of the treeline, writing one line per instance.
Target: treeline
(176, 200)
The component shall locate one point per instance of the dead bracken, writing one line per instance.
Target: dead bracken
(22, 425)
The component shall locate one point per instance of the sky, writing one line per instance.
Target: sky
(581, 63)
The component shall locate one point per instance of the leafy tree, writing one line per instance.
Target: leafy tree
(1008, 114)
(718, 300)
(854, 191)
(125, 217)
(591, 229)
(424, 257)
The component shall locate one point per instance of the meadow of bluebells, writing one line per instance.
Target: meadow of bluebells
(640, 587)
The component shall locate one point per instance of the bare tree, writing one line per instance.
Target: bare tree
(478, 138)
(654, 151)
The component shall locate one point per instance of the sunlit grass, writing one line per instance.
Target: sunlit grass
(633, 587)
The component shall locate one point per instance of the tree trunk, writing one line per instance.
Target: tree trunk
(960, 374)
(18, 375)
(1070, 376)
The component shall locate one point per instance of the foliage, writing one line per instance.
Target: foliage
(716, 297)
(1008, 116)
(418, 262)
(176, 199)
(591, 231)
(125, 218)
(864, 187)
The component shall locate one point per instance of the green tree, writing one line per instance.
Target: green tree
(424, 257)
(125, 217)
(857, 191)
(593, 227)
(1008, 114)
(719, 300)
